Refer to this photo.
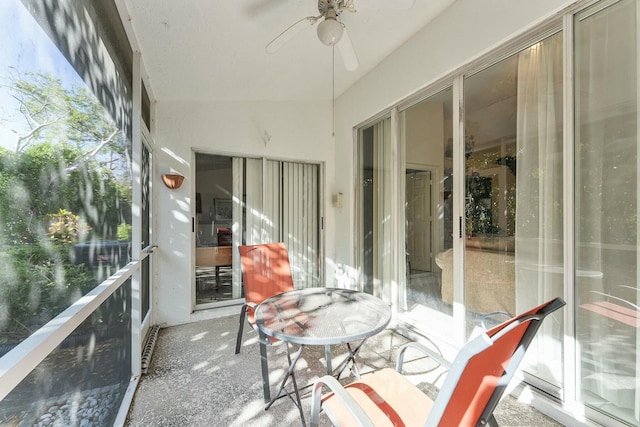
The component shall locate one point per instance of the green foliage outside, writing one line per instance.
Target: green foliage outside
(482, 198)
(68, 182)
(65, 227)
(124, 231)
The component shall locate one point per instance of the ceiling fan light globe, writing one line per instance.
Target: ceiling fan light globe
(330, 31)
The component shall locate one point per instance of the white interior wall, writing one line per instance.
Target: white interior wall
(424, 134)
(299, 131)
(463, 32)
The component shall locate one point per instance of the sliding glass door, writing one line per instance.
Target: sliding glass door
(514, 196)
(544, 157)
(247, 201)
(607, 305)
(510, 223)
(426, 133)
(373, 244)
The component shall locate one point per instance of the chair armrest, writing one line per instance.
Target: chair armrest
(248, 304)
(244, 313)
(425, 350)
(339, 393)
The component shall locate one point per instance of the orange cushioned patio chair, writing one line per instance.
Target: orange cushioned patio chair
(471, 390)
(266, 272)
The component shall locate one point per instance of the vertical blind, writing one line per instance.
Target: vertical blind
(300, 226)
(281, 202)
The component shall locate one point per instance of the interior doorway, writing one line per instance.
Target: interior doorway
(419, 221)
(422, 274)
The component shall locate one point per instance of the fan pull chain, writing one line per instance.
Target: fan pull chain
(333, 89)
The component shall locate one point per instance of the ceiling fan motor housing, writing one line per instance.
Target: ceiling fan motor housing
(325, 5)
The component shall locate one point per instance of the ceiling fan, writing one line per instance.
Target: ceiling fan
(331, 31)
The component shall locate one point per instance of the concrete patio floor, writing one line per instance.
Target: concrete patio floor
(195, 379)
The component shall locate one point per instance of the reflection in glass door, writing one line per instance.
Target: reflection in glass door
(607, 305)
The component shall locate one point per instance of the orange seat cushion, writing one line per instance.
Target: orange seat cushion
(386, 396)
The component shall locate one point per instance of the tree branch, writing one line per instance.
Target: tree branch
(83, 159)
(21, 145)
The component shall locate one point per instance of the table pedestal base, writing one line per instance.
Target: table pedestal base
(282, 392)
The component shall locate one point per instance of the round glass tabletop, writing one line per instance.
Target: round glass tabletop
(322, 316)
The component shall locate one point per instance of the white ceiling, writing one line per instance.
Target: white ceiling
(215, 49)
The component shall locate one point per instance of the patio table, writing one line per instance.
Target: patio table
(319, 316)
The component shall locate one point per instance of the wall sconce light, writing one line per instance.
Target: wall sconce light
(172, 180)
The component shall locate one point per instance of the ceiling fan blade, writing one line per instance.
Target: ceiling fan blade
(256, 8)
(382, 4)
(284, 37)
(348, 53)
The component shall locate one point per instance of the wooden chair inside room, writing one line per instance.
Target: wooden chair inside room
(209, 259)
(266, 272)
(205, 270)
(475, 382)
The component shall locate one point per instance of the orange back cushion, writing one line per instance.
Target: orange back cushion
(266, 271)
